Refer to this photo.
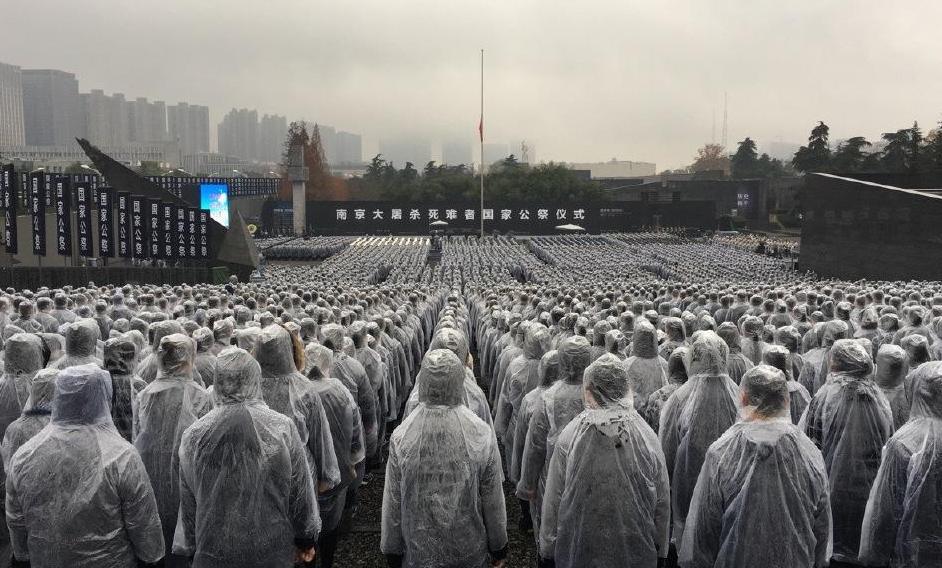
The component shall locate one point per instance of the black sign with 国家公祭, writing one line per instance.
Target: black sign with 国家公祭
(182, 241)
(63, 201)
(156, 228)
(8, 198)
(352, 217)
(192, 214)
(139, 226)
(83, 218)
(168, 226)
(202, 225)
(37, 210)
(124, 224)
(105, 225)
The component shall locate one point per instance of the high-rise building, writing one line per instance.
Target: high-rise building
(349, 148)
(340, 148)
(188, 126)
(52, 109)
(272, 130)
(456, 153)
(400, 151)
(238, 134)
(12, 129)
(147, 121)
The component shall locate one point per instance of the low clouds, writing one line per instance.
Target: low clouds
(582, 80)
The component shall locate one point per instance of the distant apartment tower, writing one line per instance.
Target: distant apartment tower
(52, 108)
(147, 121)
(106, 118)
(238, 134)
(272, 131)
(188, 126)
(12, 129)
(456, 153)
(400, 151)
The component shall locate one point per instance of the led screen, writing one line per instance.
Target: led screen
(215, 197)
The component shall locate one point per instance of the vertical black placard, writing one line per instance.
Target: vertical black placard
(124, 224)
(8, 184)
(167, 211)
(139, 226)
(192, 216)
(83, 218)
(63, 200)
(105, 224)
(203, 228)
(37, 209)
(180, 231)
(156, 229)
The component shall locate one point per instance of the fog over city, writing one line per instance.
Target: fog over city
(640, 80)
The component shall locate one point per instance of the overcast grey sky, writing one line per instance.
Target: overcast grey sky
(584, 80)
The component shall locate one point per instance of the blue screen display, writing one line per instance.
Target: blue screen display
(215, 197)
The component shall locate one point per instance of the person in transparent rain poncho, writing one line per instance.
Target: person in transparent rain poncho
(902, 519)
(607, 500)
(676, 376)
(247, 497)
(736, 363)
(346, 430)
(120, 356)
(523, 375)
(166, 408)
(286, 390)
(850, 420)
(77, 493)
(762, 495)
(81, 344)
(892, 368)
(37, 412)
(457, 343)
(548, 372)
(205, 361)
(352, 374)
(555, 408)
(443, 502)
(647, 370)
(23, 358)
(777, 356)
(694, 417)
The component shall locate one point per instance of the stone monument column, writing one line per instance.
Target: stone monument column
(297, 173)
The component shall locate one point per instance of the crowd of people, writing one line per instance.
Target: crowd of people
(644, 400)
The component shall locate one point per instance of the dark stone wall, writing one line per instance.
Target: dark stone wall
(854, 229)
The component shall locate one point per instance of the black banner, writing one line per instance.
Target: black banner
(83, 218)
(139, 226)
(167, 211)
(362, 217)
(105, 225)
(37, 209)
(180, 233)
(203, 227)
(156, 228)
(192, 215)
(63, 199)
(124, 224)
(9, 198)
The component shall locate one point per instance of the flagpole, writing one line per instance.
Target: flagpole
(481, 131)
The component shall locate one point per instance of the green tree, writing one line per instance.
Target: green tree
(711, 157)
(150, 169)
(816, 156)
(916, 160)
(896, 156)
(932, 152)
(849, 156)
(745, 162)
